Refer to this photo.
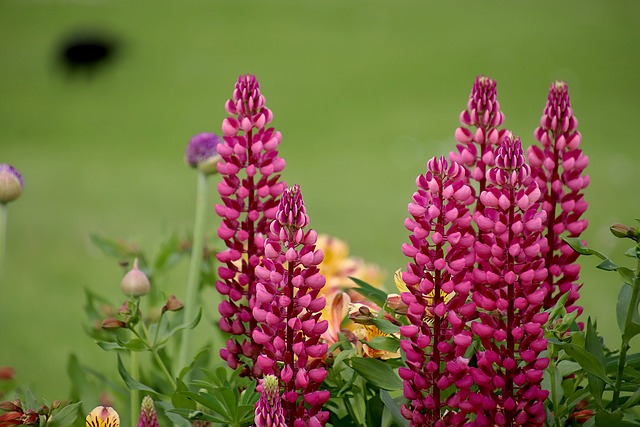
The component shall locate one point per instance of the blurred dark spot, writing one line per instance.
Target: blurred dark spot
(87, 53)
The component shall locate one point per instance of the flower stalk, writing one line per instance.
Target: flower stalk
(249, 190)
(193, 279)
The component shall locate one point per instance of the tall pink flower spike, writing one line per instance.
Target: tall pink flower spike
(479, 137)
(288, 309)
(249, 191)
(438, 280)
(557, 165)
(509, 290)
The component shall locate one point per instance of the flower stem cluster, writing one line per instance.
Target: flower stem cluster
(479, 136)
(269, 411)
(437, 278)
(509, 291)
(557, 165)
(249, 190)
(287, 310)
(478, 285)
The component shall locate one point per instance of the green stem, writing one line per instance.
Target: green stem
(154, 351)
(554, 398)
(3, 235)
(193, 281)
(133, 394)
(622, 360)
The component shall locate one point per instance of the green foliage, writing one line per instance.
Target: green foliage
(221, 398)
(588, 378)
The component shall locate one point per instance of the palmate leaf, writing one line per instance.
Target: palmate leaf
(390, 344)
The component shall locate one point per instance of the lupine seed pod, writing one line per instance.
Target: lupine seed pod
(478, 137)
(509, 290)
(558, 165)
(437, 280)
(287, 310)
(249, 190)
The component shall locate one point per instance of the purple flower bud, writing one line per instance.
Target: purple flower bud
(11, 183)
(269, 412)
(558, 167)
(202, 152)
(148, 416)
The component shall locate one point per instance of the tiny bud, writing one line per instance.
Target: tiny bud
(55, 405)
(11, 183)
(202, 152)
(111, 323)
(173, 304)
(622, 231)
(7, 373)
(135, 283)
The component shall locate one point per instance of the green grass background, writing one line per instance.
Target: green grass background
(364, 92)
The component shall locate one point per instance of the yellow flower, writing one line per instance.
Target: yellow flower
(338, 266)
(103, 416)
(402, 287)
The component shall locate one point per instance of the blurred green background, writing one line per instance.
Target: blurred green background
(364, 92)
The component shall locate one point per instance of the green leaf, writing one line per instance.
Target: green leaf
(376, 372)
(374, 411)
(607, 265)
(131, 382)
(373, 294)
(115, 247)
(631, 330)
(65, 417)
(394, 409)
(577, 245)
(632, 400)
(390, 344)
(589, 362)
(593, 346)
(608, 419)
(178, 399)
(622, 305)
(187, 325)
(385, 326)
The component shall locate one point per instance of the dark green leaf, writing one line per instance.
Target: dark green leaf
(374, 411)
(178, 399)
(65, 417)
(131, 382)
(589, 362)
(631, 331)
(390, 344)
(593, 346)
(376, 372)
(187, 325)
(385, 326)
(608, 419)
(394, 409)
(622, 306)
(632, 401)
(607, 265)
(373, 294)
(577, 245)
